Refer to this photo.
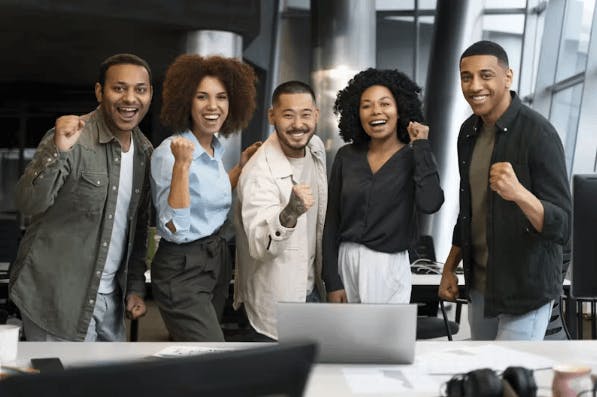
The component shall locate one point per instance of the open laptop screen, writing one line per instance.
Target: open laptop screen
(352, 333)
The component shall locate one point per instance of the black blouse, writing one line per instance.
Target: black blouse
(377, 210)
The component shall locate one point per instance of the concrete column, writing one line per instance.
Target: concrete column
(458, 24)
(227, 44)
(343, 43)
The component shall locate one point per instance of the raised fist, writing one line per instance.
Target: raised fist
(417, 130)
(301, 199)
(67, 131)
(182, 149)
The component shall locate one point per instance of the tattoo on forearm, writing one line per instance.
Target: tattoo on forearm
(287, 218)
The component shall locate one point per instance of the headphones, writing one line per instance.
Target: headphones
(514, 382)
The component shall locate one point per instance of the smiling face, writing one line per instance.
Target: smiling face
(210, 106)
(378, 113)
(294, 117)
(125, 96)
(486, 85)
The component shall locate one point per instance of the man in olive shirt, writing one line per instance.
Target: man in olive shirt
(82, 259)
(515, 206)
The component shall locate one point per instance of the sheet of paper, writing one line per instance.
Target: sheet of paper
(390, 379)
(462, 360)
(182, 351)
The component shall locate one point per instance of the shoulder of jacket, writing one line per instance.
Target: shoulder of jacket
(145, 143)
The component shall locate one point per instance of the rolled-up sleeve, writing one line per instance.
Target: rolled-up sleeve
(43, 178)
(551, 186)
(162, 162)
(261, 209)
(428, 192)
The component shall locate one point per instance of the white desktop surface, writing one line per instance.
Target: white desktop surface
(432, 279)
(325, 379)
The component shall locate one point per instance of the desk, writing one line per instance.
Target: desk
(325, 379)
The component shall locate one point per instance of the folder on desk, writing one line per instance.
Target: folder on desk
(352, 333)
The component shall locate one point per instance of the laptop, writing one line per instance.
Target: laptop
(352, 333)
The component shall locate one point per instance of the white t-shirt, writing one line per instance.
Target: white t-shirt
(118, 240)
(303, 170)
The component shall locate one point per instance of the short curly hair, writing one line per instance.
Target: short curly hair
(405, 92)
(180, 86)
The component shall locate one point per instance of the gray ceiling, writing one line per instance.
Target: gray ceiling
(63, 42)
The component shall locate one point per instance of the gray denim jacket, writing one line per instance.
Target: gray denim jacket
(71, 197)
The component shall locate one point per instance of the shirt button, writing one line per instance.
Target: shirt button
(114, 187)
(116, 159)
(49, 159)
(461, 189)
(464, 218)
(98, 273)
(99, 182)
(505, 130)
(55, 154)
(110, 216)
(137, 191)
(142, 163)
(463, 162)
(277, 234)
(91, 301)
(105, 243)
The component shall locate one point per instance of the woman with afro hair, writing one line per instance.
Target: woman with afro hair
(191, 191)
(379, 181)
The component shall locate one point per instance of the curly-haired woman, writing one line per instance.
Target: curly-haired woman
(379, 181)
(192, 191)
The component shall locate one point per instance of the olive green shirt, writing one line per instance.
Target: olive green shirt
(71, 198)
(479, 182)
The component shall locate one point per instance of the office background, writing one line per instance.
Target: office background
(50, 52)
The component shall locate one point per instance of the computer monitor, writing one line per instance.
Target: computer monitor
(584, 227)
(277, 370)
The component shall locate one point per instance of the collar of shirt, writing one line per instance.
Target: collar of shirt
(199, 150)
(506, 120)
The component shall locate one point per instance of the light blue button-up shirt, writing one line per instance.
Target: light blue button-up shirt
(209, 185)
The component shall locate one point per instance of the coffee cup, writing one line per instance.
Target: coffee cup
(571, 380)
(9, 340)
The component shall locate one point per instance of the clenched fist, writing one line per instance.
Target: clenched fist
(301, 199)
(67, 131)
(503, 181)
(417, 130)
(182, 149)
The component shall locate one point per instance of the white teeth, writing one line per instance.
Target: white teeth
(479, 97)
(377, 122)
(211, 116)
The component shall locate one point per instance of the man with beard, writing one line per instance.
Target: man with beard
(280, 211)
(81, 262)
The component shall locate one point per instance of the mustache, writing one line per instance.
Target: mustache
(297, 130)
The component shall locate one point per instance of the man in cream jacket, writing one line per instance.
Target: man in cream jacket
(279, 213)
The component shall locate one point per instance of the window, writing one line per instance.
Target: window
(564, 116)
(574, 43)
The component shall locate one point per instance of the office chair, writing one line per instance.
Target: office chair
(435, 327)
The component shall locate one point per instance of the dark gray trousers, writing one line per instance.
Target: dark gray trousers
(190, 285)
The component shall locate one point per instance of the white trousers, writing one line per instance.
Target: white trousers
(374, 277)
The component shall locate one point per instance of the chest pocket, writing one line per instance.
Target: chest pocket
(91, 191)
